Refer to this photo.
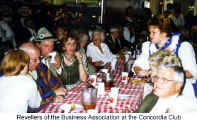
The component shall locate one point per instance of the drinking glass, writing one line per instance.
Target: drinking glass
(89, 96)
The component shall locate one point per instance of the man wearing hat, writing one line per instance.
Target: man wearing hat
(45, 41)
(115, 41)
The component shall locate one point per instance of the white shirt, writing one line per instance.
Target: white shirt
(186, 54)
(127, 35)
(175, 104)
(96, 55)
(178, 21)
(163, 105)
(17, 93)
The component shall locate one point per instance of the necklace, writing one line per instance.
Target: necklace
(67, 60)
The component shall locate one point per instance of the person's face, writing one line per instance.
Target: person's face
(97, 39)
(83, 43)
(115, 35)
(70, 46)
(34, 59)
(154, 34)
(46, 47)
(59, 31)
(164, 84)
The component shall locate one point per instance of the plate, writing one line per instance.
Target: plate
(70, 107)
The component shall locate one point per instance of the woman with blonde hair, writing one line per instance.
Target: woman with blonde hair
(17, 89)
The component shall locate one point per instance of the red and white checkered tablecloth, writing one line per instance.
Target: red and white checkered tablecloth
(130, 96)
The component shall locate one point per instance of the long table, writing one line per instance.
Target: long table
(130, 96)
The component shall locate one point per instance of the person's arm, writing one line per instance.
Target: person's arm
(188, 60)
(84, 60)
(35, 98)
(57, 64)
(141, 64)
(49, 86)
(82, 73)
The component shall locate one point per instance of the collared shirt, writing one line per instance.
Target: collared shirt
(175, 104)
(127, 35)
(94, 52)
(163, 105)
(34, 74)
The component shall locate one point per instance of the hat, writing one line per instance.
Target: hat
(114, 29)
(44, 35)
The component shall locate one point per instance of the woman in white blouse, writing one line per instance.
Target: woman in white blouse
(98, 53)
(161, 38)
(17, 89)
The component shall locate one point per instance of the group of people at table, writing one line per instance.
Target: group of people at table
(34, 75)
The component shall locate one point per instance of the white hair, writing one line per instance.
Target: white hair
(99, 31)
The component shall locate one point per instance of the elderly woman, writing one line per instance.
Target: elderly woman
(73, 69)
(17, 89)
(98, 52)
(163, 39)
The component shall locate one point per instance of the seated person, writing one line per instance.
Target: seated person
(46, 45)
(168, 78)
(73, 68)
(49, 86)
(116, 41)
(162, 38)
(17, 89)
(83, 40)
(61, 33)
(98, 52)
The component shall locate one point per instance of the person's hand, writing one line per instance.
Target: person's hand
(121, 59)
(89, 59)
(60, 91)
(108, 64)
(59, 99)
(79, 56)
(143, 73)
(98, 63)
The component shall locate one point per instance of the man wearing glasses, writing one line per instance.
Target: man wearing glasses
(49, 86)
(168, 81)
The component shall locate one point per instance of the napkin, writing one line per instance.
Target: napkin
(125, 77)
(52, 55)
(92, 79)
(114, 95)
(101, 88)
(113, 63)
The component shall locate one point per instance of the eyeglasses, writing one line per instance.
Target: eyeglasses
(35, 59)
(164, 80)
